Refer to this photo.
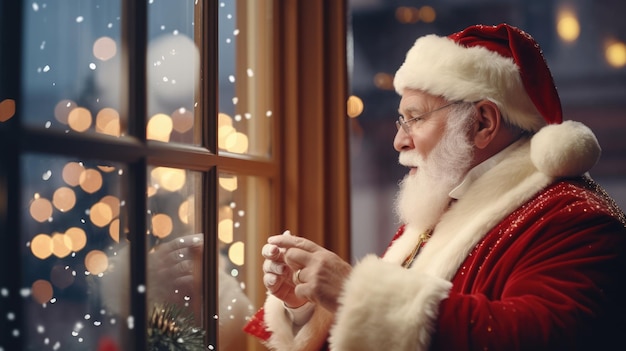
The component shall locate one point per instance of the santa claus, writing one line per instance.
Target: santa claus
(507, 242)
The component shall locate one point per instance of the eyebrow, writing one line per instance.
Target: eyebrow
(409, 110)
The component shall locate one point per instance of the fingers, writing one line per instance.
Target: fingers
(184, 248)
(288, 241)
(270, 252)
(270, 266)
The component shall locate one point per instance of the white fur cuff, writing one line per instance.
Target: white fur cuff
(386, 306)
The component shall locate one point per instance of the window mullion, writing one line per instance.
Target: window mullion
(134, 44)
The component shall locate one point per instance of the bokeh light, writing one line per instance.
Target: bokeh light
(71, 173)
(79, 119)
(236, 253)
(170, 179)
(162, 225)
(7, 109)
(383, 81)
(237, 143)
(90, 180)
(225, 231)
(428, 14)
(114, 204)
(40, 209)
(77, 237)
(182, 120)
(186, 211)
(96, 262)
(568, 26)
(108, 122)
(104, 48)
(100, 214)
(62, 110)
(64, 199)
(615, 54)
(355, 106)
(41, 246)
(61, 276)
(114, 230)
(41, 291)
(160, 127)
(229, 183)
(61, 245)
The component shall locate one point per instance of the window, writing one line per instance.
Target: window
(147, 151)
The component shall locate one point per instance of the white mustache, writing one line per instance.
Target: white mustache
(411, 158)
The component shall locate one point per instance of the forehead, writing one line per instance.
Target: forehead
(417, 100)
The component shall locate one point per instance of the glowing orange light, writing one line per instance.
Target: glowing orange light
(427, 14)
(7, 109)
(41, 246)
(100, 214)
(108, 122)
(41, 209)
(355, 106)
(79, 119)
(160, 127)
(72, 172)
(185, 211)
(62, 110)
(61, 245)
(183, 120)
(64, 199)
(225, 231)
(90, 180)
(162, 225)
(114, 230)
(77, 237)
(41, 291)
(96, 262)
(114, 204)
(236, 253)
(228, 183)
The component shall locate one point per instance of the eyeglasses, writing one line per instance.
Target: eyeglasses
(405, 125)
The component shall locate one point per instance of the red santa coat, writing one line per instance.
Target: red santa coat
(525, 260)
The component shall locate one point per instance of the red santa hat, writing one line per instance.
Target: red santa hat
(500, 63)
(505, 65)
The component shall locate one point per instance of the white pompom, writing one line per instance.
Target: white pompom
(568, 149)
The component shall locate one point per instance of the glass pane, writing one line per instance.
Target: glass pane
(73, 288)
(244, 221)
(175, 258)
(173, 71)
(71, 66)
(246, 106)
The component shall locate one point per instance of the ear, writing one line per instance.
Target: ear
(488, 120)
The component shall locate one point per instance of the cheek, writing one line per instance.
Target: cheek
(426, 141)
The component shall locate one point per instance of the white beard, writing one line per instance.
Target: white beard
(424, 196)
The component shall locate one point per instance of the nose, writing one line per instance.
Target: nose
(402, 141)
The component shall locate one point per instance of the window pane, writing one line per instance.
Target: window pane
(175, 257)
(71, 66)
(245, 78)
(244, 220)
(71, 235)
(173, 71)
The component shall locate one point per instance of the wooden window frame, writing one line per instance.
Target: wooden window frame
(311, 192)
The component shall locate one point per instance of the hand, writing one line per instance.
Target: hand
(322, 272)
(278, 276)
(174, 270)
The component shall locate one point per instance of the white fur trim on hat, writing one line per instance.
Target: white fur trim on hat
(441, 67)
(564, 150)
